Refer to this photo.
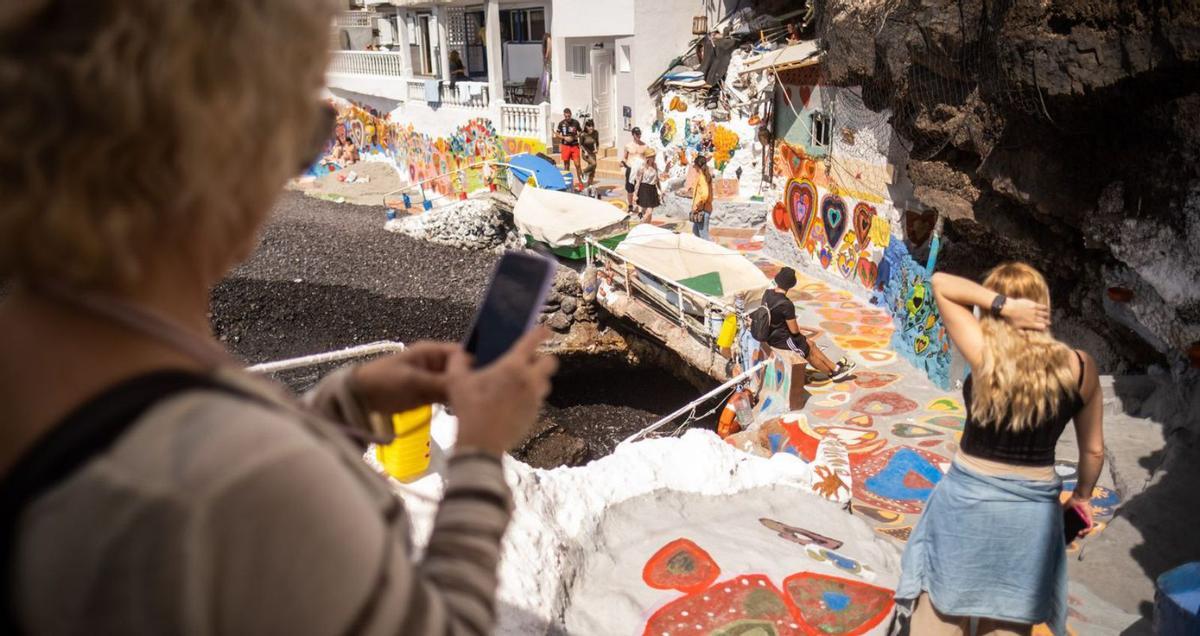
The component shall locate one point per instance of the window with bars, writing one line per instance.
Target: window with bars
(579, 59)
(821, 129)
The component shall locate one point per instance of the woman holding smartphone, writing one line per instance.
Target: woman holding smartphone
(990, 544)
(148, 483)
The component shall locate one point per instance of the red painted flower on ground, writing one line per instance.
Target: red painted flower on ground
(680, 565)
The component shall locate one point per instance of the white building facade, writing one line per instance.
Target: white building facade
(522, 61)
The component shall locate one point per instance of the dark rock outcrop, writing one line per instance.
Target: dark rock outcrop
(1065, 133)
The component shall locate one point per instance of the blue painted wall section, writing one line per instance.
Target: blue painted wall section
(906, 292)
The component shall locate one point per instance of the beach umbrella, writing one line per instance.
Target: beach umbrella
(545, 174)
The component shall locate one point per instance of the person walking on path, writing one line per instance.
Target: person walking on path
(567, 133)
(785, 331)
(589, 143)
(991, 543)
(649, 194)
(149, 484)
(631, 159)
(702, 198)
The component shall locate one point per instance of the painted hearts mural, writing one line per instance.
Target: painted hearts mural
(801, 201)
(833, 216)
(864, 215)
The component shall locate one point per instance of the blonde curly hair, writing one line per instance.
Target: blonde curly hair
(132, 127)
(1025, 374)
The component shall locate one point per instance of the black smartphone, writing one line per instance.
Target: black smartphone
(1073, 524)
(511, 306)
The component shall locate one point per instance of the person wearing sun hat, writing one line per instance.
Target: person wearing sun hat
(649, 189)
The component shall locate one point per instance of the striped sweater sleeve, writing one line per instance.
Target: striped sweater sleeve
(306, 542)
(458, 573)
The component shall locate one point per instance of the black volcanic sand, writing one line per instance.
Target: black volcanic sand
(603, 400)
(328, 276)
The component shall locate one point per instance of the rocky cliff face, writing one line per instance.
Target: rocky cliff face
(1064, 133)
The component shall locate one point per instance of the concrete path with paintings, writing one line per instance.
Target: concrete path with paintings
(729, 573)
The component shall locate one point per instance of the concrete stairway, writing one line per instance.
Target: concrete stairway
(608, 167)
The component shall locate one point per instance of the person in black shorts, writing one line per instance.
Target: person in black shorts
(785, 333)
(631, 161)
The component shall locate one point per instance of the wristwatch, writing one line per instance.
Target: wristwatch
(998, 305)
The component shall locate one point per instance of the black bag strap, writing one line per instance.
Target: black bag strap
(86, 432)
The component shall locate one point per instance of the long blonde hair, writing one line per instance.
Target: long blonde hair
(1025, 374)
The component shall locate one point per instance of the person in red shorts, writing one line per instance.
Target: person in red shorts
(567, 135)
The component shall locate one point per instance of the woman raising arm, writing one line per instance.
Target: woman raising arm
(990, 544)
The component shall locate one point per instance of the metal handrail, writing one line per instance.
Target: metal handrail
(709, 306)
(349, 353)
(702, 297)
(477, 164)
(686, 408)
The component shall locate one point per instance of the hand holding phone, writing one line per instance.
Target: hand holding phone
(1077, 520)
(511, 305)
(497, 405)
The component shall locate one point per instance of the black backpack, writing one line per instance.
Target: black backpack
(760, 322)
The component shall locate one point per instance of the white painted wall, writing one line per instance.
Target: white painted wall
(663, 32)
(522, 61)
(596, 18)
(575, 89)
(627, 90)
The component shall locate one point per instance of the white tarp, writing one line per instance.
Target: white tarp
(562, 219)
(682, 256)
(788, 57)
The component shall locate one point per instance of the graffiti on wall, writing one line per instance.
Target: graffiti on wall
(683, 137)
(450, 164)
(840, 234)
(808, 603)
(920, 336)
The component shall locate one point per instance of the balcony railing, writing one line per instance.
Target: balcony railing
(367, 63)
(383, 74)
(391, 66)
(524, 120)
(465, 95)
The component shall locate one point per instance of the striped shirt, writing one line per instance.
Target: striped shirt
(214, 514)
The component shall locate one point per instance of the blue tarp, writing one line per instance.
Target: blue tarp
(1177, 601)
(547, 174)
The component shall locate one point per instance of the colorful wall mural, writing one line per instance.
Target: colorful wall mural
(849, 234)
(842, 232)
(449, 162)
(683, 131)
(905, 290)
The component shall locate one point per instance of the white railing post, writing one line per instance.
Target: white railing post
(679, 303)
(543, 123)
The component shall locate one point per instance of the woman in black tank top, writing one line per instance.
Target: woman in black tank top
(990, 544)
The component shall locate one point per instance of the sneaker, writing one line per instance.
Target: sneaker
(844, 369)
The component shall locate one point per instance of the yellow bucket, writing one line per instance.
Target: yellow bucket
(728, 331)
(407, 457)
